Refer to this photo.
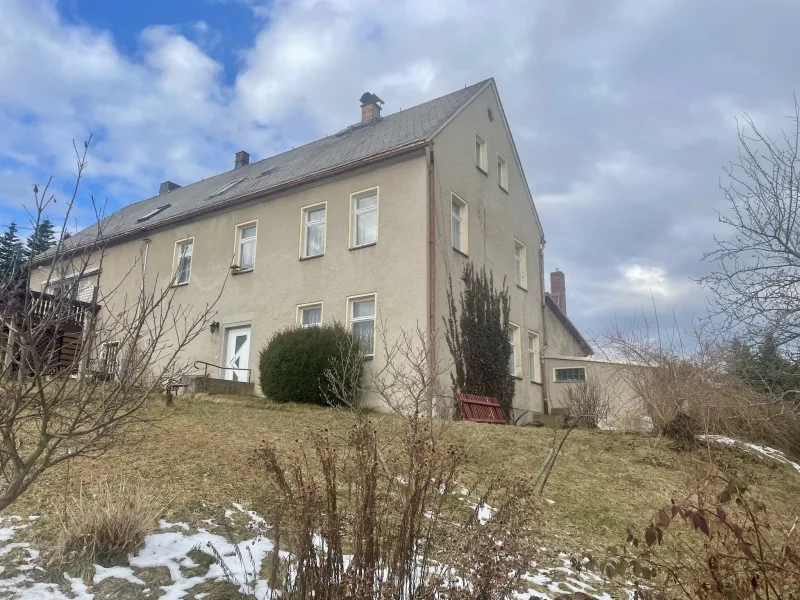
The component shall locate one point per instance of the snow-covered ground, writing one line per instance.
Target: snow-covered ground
(174, 545)
(764, 451)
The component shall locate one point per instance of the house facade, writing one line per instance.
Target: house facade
(363, 226)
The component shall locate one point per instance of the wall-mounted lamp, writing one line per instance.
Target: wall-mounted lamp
(214, 327)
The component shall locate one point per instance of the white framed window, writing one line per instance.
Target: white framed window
(533, 356)
(183, 261)
(314, 219)
(520, 264)
(246, 245)
(364, 218)
(481, 153)
(567, 374)
(514, 365)
(361, 315)
(309, 315)
(502, 172)
(459, 224)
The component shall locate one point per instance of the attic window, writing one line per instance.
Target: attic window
(227, 186)
(153, 213)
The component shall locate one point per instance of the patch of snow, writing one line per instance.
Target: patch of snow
(551, 502)
(126, 573)
(78, 587)
(484, 512)
(755, 448)
(34, 517)
(254, 516)
(6, 533)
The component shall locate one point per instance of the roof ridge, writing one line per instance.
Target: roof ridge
(249, 166)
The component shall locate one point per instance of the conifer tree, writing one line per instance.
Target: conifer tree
(12, 254)
(43, 238)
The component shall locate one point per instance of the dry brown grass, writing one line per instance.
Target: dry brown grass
(107, 521)
(602, 482)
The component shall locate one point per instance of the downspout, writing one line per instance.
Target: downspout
(431, 271)
(545, 379)
(144, 272)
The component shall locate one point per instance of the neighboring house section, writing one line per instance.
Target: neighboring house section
(617, 380)
(360, 227)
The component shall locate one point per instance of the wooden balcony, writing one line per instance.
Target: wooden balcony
(55, 323)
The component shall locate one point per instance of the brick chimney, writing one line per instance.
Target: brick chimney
(242, 159)
(558, 289)
(370, 106)
(167, 186)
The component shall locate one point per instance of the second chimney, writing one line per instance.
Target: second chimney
(242, 159)
(167, 186)
(558, 289)
(370, 106)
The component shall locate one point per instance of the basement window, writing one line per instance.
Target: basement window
(227, 186)
(153, 213)
(570, 374)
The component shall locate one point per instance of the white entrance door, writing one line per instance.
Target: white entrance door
(237, 354)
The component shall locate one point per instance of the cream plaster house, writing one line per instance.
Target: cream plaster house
(366, 224)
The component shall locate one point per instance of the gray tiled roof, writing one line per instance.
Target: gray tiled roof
(353, 144)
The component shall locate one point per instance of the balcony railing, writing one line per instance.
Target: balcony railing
(63, 312)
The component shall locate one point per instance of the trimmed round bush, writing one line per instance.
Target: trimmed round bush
(292, 365)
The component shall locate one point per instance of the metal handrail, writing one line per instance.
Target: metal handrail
(208, 364)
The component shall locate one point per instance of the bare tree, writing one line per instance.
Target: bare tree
(77, 371)
(755, 283)
(409, 380)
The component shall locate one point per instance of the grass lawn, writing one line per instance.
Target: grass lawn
(198, 454)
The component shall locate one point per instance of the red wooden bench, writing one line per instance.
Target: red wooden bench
(480, 409)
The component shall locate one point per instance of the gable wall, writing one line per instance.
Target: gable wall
(496, 217)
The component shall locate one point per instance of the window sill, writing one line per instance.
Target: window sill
(240, 271)
(312, 257)
(368, 357)
(461, 252)
(524, 289)
(175, 285)
(517, 377)
(575, 381)
(363, 246)
(502, 188)
(534, 382)
(482, 170)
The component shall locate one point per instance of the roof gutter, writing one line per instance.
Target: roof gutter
(364, 162)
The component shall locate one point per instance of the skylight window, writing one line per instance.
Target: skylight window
(227, 186)
(269, 171)
(153, 213)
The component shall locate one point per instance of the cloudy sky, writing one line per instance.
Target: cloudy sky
(624, 112)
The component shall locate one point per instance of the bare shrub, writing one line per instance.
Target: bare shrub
(105, 523)
(587, 402)
(353, 526)
(673, 379)
(683, 431)
(722, 542)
